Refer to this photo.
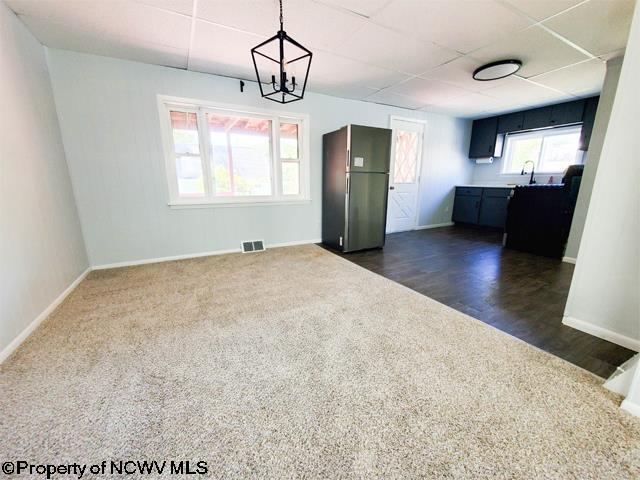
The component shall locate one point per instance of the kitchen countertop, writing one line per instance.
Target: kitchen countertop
(487, 185)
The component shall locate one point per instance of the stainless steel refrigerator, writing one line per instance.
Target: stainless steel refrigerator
(355, 185)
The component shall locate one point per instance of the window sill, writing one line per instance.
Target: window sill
(187, 205)
(529, 173)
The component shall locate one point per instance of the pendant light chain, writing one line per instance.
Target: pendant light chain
(281, 20)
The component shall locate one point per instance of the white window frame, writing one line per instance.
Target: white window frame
(201, 107)
(548, 132)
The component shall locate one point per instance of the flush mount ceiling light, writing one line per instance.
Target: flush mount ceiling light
(496, 70)
(278, 61)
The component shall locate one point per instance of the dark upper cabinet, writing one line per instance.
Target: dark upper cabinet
(488, 134)
(566, 113)
(513, 122)
(483, 138)
(537, 118)
(588, 119)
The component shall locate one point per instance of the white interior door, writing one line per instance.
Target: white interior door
(404, 181)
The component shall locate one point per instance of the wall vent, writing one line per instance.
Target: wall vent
(253, 246)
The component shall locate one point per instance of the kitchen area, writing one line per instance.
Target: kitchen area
(527, 175)
(502, 258)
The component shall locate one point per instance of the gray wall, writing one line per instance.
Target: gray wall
(109, 119)
(42, 250)
(445, 164)
(593, 155)
(604, 298)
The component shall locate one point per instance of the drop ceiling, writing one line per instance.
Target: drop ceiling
(416, 54)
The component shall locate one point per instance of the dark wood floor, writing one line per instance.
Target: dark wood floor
(521, 294)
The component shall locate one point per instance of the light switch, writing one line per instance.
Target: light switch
(358, 162)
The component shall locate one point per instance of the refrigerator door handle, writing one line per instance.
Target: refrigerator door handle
(347, 187)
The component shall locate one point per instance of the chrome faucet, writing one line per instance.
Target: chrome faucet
(532, 180)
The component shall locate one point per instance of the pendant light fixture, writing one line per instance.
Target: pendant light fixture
(282, 67)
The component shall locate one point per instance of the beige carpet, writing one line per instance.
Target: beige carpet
(296, 363)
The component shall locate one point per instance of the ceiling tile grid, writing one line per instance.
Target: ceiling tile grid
(415, 54)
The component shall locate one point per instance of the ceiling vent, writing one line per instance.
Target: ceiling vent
(253, 246)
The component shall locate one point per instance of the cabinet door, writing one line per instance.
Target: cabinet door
(588, 120)
(483, 137)
(537, 118)
(466, 208)
(566, 113)
(512, 122)
(493, 211)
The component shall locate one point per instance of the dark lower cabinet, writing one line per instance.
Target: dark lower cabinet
(466, 209)
(486, 207)
(493, 210)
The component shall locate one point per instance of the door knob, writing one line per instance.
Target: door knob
(392, 187)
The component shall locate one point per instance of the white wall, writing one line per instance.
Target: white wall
(110, 126)
(42, 250)
(490, 173)
(445, 164)
(604, 298)
(592, 156)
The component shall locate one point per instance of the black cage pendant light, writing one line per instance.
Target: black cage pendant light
(280, 63)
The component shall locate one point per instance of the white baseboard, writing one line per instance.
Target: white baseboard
(194, 255)
(434, 225)
(294, 243)
(632, 407)
(15, 343)
(596, 331)
(569, 260)
(620, 381)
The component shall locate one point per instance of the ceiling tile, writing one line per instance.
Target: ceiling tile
(541, 9)
(584, 78)
(309, 23)
(184, 7)
(427, 91)
(382, 47)
(256, 16)
(316, 25)
(598, 26)
(222, 51)
(459, 72)
(334, 69)
(460, 112)
(81, 39)
(361, 7)
(389, 98)
(473, 101)
(108, 20)
(538, 50)
(355, 92)
(517, 91)
(457, 25)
